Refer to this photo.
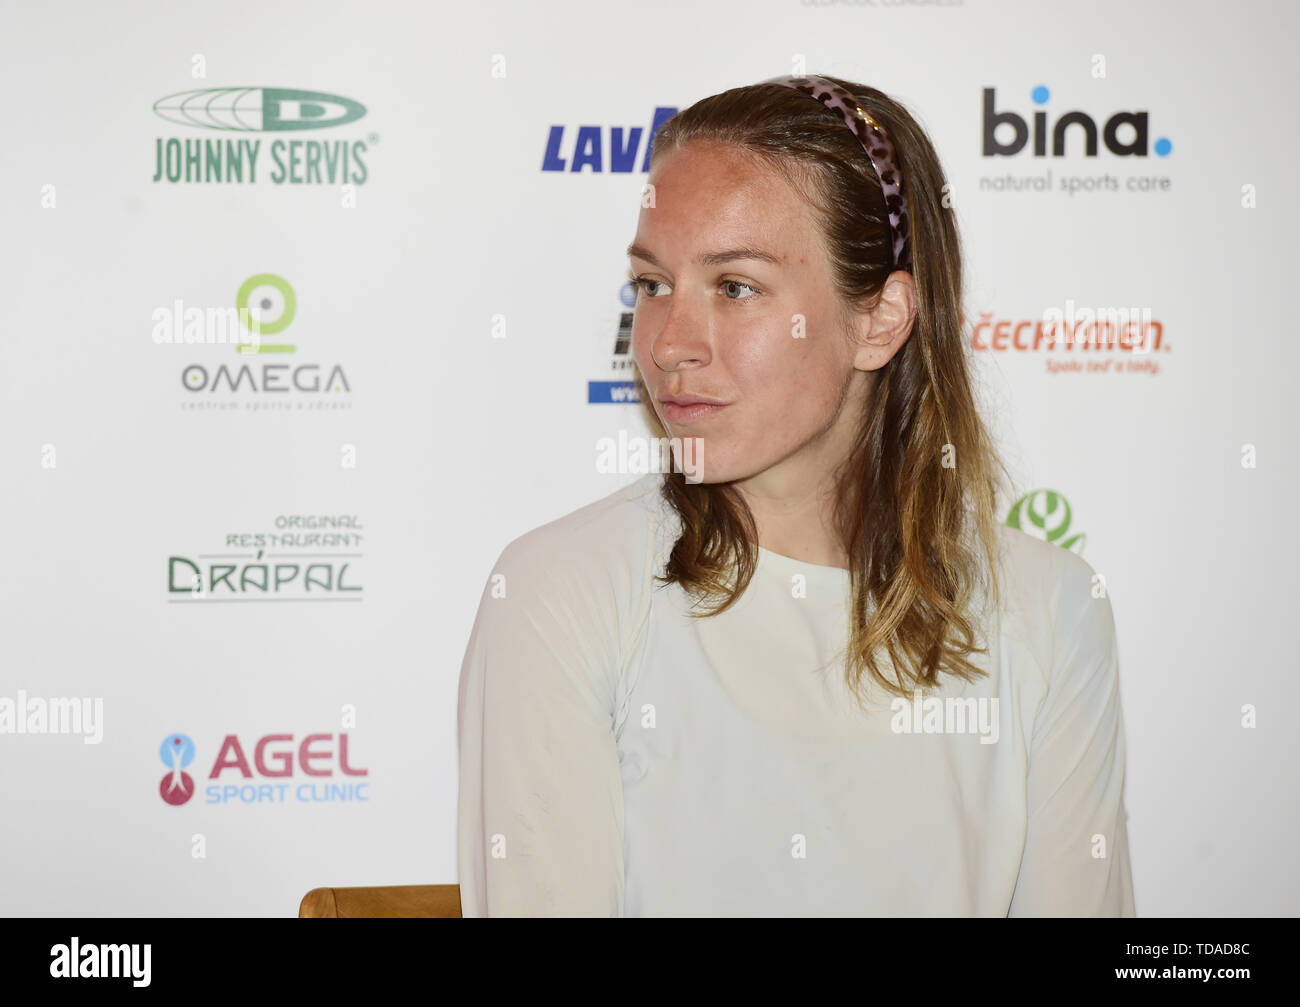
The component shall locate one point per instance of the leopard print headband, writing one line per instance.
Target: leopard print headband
(880, 151)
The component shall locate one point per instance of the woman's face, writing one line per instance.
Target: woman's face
(735, 306)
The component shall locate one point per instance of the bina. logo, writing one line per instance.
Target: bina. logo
(1135, 146)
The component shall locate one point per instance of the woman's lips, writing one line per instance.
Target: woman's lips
(677, 413)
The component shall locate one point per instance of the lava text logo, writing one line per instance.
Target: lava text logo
(594, 147)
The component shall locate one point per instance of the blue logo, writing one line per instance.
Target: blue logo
(594, 147)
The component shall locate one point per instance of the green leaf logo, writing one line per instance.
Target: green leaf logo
(1046, 514)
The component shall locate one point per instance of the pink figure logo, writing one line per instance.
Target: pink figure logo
(177, 752)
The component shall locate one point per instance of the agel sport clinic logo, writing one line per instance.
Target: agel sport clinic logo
(313, 757)
(259, 110)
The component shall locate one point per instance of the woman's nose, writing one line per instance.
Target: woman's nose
(682, 339)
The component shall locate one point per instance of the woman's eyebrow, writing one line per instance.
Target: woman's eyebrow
(710, 258)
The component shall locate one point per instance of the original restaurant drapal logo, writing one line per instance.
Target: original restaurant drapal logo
(304, 557)
(263, 375)
(237, 160)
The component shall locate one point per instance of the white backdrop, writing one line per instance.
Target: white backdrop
(459, 304)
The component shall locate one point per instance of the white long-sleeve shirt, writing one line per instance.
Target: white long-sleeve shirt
(619, 758)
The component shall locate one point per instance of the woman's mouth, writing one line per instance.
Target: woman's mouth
(687, 411)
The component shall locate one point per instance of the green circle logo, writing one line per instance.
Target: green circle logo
(259, 326)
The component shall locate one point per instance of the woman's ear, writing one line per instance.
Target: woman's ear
(882, 331)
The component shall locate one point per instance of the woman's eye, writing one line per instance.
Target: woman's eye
(651, 288)
(736, 283)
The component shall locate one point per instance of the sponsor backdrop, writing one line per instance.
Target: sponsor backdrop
(310, 314)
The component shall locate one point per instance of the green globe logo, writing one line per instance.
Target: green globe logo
(1046, 514)
(258, 109)
(269, 304)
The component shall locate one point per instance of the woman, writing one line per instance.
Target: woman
(813, 675)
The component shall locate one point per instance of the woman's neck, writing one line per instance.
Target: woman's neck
(794, 517)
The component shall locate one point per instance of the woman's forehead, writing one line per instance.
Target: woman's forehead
(702, 212)
(715, 166)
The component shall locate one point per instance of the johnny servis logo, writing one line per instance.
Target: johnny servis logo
(1117, 142)
(1047, 515)
(269, 376)
(276, 757)
(242, 161)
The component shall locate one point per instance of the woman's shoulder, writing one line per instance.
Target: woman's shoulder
(1052, 595)
(1039, 568)
(558, 620)
(609, 545)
